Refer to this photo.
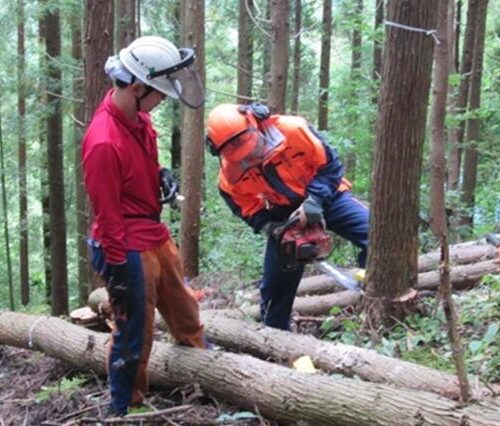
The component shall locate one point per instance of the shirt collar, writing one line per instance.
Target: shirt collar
(112, 108)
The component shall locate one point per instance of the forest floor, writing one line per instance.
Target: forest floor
(36, 390)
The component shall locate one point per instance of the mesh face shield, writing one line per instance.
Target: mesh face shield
(249, 149)
(183, 79)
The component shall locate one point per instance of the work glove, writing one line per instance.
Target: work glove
(118, 285)
(309, 213)
(169, 186)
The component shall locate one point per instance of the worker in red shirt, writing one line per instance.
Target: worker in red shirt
(273, 167)
(131, 248)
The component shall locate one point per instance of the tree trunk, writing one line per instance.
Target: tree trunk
(399, 141)
(438, 214)
(294, 101)
(175, 137)
(22, 178)
(324, 67)
(461, 97)
(276, 97)
(57, 208)
(98, 46)
(275, 391)
(42, 137)
(245, 52)
(377, 45)
(356, 62)
(126, 23)
(474, 122)
(5, 216)
(192, 144)
(437, 148)
(78, 123)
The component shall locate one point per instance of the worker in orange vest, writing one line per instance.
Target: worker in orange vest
(275, 166)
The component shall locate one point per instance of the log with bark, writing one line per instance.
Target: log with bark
(470, 261)
(227, 328)
(275, 391)
(462, 277)
(348, 360)
(460, 254)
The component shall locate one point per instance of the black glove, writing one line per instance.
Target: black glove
(118, 285)
(310, 212)
(168, 185)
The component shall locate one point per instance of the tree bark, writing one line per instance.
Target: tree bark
(24, 275)
(58, 256)
(356, 63)
(126, 23)
(461, 97)
(462, 277)
(245, 52)
(268, 343)
(437, 148)
(5, 217)
(98, 46)
(297, 47)
(276, 97)
(460, 254)
(275, 391)
(471, 153)
(192, 144)
(78, 122)
(324, 67)
(377, 45)
(392, 258)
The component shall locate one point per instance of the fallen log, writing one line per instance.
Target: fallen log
(462, 277)
(226, 328)
(275, 391)
(348, 360)
(460, 254)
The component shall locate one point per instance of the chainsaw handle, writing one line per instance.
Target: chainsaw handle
(286, 226)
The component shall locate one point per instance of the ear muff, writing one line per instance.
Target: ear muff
(258, 110)
(212, 149)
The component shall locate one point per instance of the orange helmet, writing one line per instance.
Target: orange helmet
(225, 122)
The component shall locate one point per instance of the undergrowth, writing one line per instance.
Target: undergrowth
(423, 338)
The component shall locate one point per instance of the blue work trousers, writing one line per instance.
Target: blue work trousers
(344, 215)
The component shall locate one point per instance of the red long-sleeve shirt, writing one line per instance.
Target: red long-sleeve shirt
(120, 166)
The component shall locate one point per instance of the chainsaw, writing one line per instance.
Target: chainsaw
(300, 245)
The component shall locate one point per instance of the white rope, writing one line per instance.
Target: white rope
(432, 33)
(30, 333)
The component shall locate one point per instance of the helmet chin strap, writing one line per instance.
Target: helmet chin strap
(138, 99)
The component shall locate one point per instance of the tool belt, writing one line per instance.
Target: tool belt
(154, 217)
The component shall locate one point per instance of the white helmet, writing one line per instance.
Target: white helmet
(159, 64)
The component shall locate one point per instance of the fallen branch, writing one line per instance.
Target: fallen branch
(275, 391)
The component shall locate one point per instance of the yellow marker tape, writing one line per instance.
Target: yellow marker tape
(304, 364)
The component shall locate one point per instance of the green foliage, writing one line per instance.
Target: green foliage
(66, 386)
(423, 337)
